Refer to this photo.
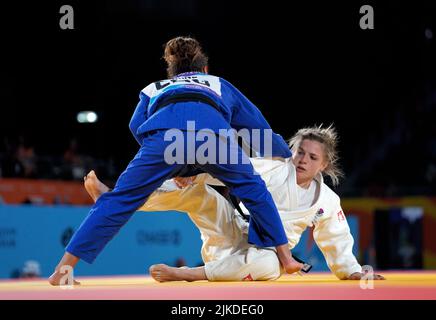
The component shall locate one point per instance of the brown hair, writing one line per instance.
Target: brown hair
(329, 139)
(184, 54)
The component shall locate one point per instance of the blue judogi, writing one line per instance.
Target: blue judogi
(148, 170)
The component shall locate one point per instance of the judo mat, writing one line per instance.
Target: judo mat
(416, 285)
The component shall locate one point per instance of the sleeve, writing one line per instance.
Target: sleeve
(139, 116)
(245, 115)
(334, 239)
(270, 169)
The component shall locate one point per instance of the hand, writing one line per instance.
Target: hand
(184, 182)
(359, 275)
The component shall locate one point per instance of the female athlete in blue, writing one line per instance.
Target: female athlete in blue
(192, 113)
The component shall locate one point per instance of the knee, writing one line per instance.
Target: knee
(270, 267)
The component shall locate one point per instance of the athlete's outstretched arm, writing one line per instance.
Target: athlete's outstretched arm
(334, 239)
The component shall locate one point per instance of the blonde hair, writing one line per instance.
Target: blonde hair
(328, 137)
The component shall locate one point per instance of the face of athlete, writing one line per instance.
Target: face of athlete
(309, 160)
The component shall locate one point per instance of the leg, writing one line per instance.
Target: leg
(253, 264)
(95, 189)
(145, 173)
(248, 264)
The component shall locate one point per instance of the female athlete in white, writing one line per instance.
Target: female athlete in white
(300, 194)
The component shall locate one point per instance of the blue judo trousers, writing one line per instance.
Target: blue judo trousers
(223, 107)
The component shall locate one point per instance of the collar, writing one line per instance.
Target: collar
(190, 73)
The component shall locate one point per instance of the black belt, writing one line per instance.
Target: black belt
(186, 97)
(224, 191)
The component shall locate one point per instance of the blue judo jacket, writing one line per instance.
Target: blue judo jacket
(234, 110)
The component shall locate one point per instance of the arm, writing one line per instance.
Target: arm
(245, 115)
(139, 116)
(336, 243)
(334, 239)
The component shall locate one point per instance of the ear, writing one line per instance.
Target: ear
(324, 165)
(206, 69)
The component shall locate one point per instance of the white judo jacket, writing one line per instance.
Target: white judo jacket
(224, 232)
(331, 231)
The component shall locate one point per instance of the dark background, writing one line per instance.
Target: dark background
(300, 63)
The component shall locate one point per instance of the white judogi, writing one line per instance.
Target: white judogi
(226, 252)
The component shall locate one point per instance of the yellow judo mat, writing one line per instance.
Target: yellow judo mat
(408, 285)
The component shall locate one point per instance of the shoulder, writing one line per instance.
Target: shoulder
(211, 76)
(330, 196)
(274, 171)
(149, 90)
(227, 84)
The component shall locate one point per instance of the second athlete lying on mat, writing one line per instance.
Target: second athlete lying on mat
(300, 194)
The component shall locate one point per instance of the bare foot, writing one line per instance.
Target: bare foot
(58, 279)
(286, 260)
(293, 266)
(94, 186)
(163, 273)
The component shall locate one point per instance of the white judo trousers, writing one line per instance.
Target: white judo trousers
(225, 250)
